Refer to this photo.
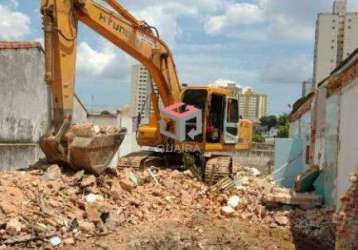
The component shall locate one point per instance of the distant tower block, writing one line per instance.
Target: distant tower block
(340, 7)
(336, 39)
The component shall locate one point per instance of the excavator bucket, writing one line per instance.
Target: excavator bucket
(92, 154)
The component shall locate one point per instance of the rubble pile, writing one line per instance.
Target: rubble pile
(91, 130)
(56, 206)
(263, 203)
(51, 205)
(347, 218)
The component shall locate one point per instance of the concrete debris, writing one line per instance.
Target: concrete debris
(69, 241)
(55, 241)
(86, 227)
(234, 201)
(281, 219)
(347, 218)
(89, 180)
(254, 172)
(228, 211)
(79, 205)
(127, 185)
(91, 130)
(53, 173)
(290, 197)
(91, 198)
(14, 226)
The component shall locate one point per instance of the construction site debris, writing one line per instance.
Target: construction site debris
(347, 218)
(290, 197)
(89, 180)
(91, 130)
(304, 181)
(55, 241)
(76, 205)
(233, 201)
(254, 172)
(13, 226)
(227, 211)
(52, 173)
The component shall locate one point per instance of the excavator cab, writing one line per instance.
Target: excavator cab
(221, 119)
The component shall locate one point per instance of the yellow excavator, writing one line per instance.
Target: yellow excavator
(214, 109)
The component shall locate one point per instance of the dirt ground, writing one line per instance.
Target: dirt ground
(54, 208)
(207, 234)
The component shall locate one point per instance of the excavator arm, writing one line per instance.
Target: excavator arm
(117, 25)
(142, 42)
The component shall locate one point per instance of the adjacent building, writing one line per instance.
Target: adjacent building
(253, 106)
(336, 39)
(306, 87)
(322, 136)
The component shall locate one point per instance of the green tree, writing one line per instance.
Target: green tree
(283, 120)
(257, 137)
(269, 121)
(105, 112)
(283, 126)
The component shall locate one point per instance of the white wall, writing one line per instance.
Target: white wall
(129, 144)
(348, 148)
(24, 99)
(24, 107)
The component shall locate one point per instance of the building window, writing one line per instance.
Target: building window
(349, 27)
(333, 27)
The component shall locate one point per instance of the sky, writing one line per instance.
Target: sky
(263, 44)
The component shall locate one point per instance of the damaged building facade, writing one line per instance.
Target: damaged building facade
(323, 135)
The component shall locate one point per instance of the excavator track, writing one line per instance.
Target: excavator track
(217, 168)
(140, 160)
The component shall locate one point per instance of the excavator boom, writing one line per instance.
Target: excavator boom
(136, 38)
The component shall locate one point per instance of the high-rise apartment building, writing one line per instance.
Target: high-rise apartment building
(141, 89)
(253, 106)
(306, 87)
(336, 38)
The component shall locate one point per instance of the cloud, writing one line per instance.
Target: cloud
(164, 18)
(267, 20)
(223, 82)
(287, 69)
(93, 62)
(235, 15)
(165, 15)
(13, 24)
